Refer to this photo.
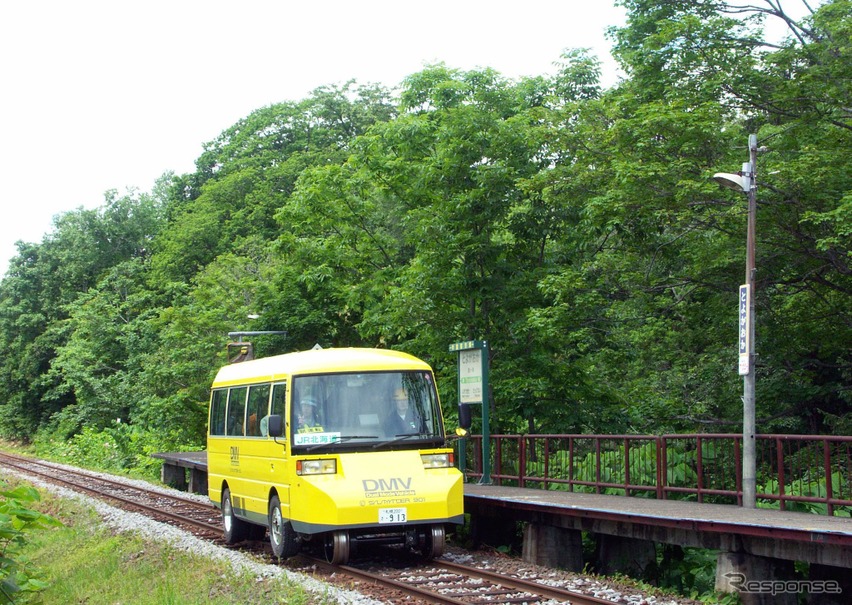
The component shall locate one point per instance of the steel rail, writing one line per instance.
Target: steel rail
(551, 592)
(429, 596)
(414, 589)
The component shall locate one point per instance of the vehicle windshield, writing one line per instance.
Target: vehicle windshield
(366, 409)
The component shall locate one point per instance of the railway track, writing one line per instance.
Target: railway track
(200, 518)
(452, 583)
(438, 581)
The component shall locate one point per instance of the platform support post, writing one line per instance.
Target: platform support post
(757, 580)
(553, 546)
(829, 585)
(630, 556)
(493, 531)
(173, 476)
(198, 481)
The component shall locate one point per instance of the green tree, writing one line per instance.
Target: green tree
(248, 172)
(43, 284)
(437, 229)
(107, 332)
(700, 82)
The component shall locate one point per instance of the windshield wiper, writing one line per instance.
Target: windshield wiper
(341, 439)
(399, 438)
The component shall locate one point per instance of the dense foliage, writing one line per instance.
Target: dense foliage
(575, 228)
(18, 520)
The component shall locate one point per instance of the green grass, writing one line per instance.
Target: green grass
(86, 562)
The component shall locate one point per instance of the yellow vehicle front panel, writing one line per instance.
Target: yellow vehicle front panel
(369, 482)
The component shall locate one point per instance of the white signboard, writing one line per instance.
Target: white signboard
(470, 376)
(745, 320)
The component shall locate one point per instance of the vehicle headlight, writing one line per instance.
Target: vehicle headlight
(437, 460)
(316, 467)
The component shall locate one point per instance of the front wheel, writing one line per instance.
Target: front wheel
(336, 547)
(433, 543)
(236, 530)
(282, 537)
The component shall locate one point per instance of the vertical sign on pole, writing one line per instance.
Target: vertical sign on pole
(745, 323)
(470, 376)
(473, 390)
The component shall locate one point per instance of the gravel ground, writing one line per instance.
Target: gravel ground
(121, 520)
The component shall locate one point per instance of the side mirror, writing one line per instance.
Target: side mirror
(275, 426)
(464, 416)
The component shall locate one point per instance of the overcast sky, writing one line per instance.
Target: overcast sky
(100, 95)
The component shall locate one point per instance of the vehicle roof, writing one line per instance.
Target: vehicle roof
(278, 367)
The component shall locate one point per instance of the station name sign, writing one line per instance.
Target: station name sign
(473, 372)
(745, 330)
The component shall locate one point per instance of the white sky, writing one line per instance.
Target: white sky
(98, 95)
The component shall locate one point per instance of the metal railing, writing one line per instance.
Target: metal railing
(811, 473)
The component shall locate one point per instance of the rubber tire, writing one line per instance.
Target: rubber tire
(236, 530)
(434, 541)
(336, 547)
(282, 537)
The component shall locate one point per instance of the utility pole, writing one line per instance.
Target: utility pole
(749, 445)
(746, 181)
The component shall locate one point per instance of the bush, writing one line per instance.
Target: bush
(17, 578)
(120, 448)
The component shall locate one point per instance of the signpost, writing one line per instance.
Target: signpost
(473, 390)
(745, 329)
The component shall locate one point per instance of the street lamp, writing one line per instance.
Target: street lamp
(746, 181)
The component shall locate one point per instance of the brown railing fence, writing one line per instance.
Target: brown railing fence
(811, 473)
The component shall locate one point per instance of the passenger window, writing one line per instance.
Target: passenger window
(258, 404)
(218, 400)
(236, 411)
(279, 395)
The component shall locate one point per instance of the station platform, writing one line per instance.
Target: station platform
(722, 519)
(797, 536)
(176, 467)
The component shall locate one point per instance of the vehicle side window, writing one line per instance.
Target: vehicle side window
(236, 411)
(258, 404)
(279, 395)
(217, 411)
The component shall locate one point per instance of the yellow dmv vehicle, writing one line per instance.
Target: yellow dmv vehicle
(337, 446)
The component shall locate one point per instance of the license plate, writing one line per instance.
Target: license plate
(393, 515)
